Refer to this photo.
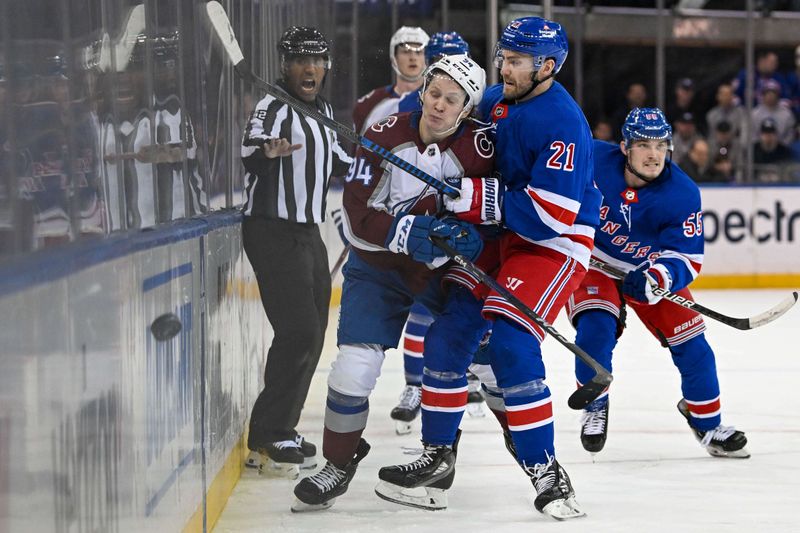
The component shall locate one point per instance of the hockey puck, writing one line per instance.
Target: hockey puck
(166, 327)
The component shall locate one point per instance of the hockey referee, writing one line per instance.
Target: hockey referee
(288, 160)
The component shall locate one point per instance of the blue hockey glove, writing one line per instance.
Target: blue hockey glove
(336, 215)
(638, 283)
(410, 234)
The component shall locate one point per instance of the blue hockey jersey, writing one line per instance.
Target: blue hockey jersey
(544, 158)
(660, 222)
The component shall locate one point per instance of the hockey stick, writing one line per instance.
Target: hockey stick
(340, 261)
(739, 323)
(222, 27)
(586, 393)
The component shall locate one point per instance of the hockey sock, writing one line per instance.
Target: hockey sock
(444, 399)
(695, 361)
(597, 336)
(517, 363)
(494, 399)
(419, 320)
(449, 346)
(345, 420)
(529, 410)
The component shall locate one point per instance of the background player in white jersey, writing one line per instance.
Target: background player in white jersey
(650, 227)
(406, 53)
(388, 220)
(550, 206)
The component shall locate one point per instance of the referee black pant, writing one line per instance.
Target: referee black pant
(291, 266)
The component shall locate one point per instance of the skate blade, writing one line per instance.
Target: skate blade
(302, 507)
(563, 509)
(271, 469)
(401, 427)
(475, 410)
(738, 454)
(309, 463)
(426, 498)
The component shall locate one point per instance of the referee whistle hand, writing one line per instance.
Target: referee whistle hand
(279, 148)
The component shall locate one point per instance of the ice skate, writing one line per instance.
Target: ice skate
(319, 491)
(594, 426)
(407, 410)
(309, 452)
(722, 441)
(281, 459)
(474, 397)
(422, 483)
(554, 495)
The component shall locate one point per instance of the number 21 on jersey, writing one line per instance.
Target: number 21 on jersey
(558, 161)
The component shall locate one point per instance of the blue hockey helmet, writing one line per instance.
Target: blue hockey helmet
(646, 123)
(537, 37)
(445, 43)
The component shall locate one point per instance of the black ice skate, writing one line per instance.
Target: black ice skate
(408, 409)
(422, 483)
(554, 494)
(722, 441)
(277, 459)
(319, 491)
(309, 452)
(508, 440)
(474, 397)
(594, 426)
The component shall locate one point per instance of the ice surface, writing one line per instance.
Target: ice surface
(652, 475)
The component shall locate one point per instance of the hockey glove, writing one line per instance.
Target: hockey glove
(638, 284)
(480, 200)
(336, 215)
(409, 235)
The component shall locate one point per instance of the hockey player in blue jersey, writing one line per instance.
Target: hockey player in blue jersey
(544, 173)
(651, 227)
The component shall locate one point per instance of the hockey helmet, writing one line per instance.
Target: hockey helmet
(466, 72)
(537, 37)
(646, 123)
(304, 41)
(445, 44)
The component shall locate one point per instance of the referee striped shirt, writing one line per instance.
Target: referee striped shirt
(293, 187)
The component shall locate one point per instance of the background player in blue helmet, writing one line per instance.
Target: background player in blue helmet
(549, 204)
(651, 227)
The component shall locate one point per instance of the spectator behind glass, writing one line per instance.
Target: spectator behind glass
(766, 69)
(635, 97)
(769, 154)
(684, 102)
(695, 163)
(793, 81)
(723, 142)
(685, 135)
(770, 107)
(721, 170)
(602, 131)
(727, 109)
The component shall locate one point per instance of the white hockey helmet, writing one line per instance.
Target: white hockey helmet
(405, 35)
(466, 72)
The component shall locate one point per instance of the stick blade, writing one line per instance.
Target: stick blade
(222, 27)
(589, 392)
(776, 312)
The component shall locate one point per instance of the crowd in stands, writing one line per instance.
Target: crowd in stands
(711, 144)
